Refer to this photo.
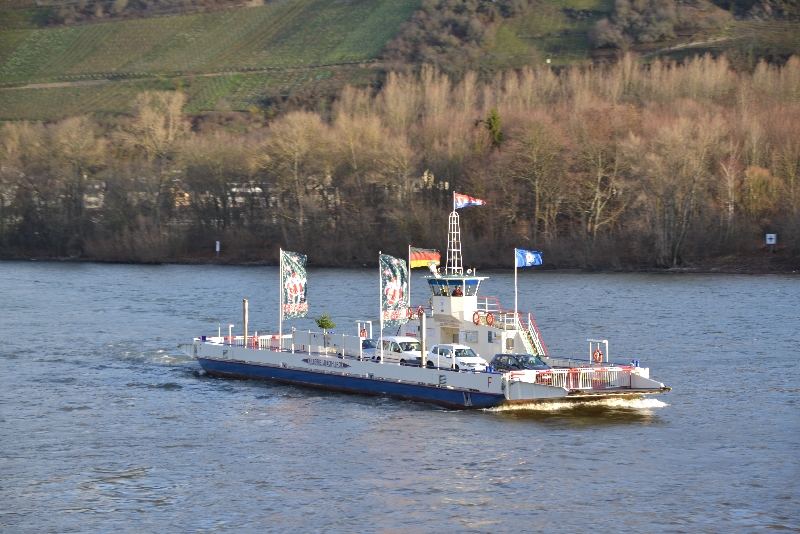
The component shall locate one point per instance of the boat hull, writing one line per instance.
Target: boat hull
(451, 398)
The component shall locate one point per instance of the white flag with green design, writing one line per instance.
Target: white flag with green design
(394, 291)
(293, 282)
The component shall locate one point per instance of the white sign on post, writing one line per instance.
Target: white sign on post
(217, 246)
(772, 239)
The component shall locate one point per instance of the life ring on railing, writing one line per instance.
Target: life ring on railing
(490, 319)
(597, 356)
(420, 311)
(410, 313)
(476, 318)
(363, 332)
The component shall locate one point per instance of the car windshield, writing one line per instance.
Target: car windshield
(410, 346)
(465, 353)
(530, 361)
(368, 344)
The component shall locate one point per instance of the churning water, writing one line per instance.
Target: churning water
(106, 426)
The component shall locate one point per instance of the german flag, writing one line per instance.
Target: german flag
(421, 257)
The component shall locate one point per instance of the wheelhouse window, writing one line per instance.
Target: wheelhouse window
(471, 287)
(453, 287)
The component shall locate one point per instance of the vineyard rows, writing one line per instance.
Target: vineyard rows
(277, 35)
(204, 93)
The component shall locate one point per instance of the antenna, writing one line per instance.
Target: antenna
(454, 259)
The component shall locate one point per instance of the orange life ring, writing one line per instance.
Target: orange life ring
(490, 319)
(420, 311)
(410, 313)
(476, 318)
(597, 356)
(363, 332)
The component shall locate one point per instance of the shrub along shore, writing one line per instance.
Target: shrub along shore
(626, 167)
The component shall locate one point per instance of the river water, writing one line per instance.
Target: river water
(106, 426)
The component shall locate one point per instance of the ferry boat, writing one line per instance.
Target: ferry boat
(455, 314)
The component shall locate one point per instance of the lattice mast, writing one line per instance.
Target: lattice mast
(454, 259)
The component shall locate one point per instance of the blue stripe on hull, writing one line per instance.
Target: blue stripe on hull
(352, 384)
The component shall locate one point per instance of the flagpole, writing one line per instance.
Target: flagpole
(280, 300)
(516, 315)
(380, 303)
(409, 277)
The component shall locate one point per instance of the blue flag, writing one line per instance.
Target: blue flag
(526, 258)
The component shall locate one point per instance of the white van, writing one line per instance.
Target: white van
(396, 349)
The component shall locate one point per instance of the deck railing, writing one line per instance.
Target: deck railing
(299, 340)
(585, 377)
(272, 342)
(508, 320)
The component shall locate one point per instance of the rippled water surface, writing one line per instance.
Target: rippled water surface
(106, 426)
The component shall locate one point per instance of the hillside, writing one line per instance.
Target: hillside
(62, 58)
(124, 57)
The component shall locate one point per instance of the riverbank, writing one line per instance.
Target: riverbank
(762, 262)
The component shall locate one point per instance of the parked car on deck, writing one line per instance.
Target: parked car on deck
(461, 357)
(396, 349)
(518, 362)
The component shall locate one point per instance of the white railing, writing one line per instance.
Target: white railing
(585, 377)
(535, 336)
(341, 344)
(488, 304)
(506, 320)
(299, 340)
(275, 342)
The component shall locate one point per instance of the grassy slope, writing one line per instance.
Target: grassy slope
(300, 42)
(226, 92)
(311, 34)
(549, 32)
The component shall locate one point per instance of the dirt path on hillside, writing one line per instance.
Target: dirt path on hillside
(690, 45)
(336, 66)
(60, 84)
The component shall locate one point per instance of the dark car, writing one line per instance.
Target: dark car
(518, 362)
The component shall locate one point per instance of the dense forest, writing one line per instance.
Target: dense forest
(625, 166)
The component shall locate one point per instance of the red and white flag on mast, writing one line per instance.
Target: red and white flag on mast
(463, 201)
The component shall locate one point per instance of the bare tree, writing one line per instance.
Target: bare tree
(296, 149)
(672, 168)
(76, 154)
(599, 163)
(155, 132)
(539, 163)
(730, 167)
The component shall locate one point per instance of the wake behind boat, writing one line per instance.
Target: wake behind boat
(463, 329)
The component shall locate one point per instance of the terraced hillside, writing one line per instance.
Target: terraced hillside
(250, 49)
(221, 92)
(296, 33)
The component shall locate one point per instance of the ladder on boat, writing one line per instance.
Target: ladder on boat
(530, 336)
